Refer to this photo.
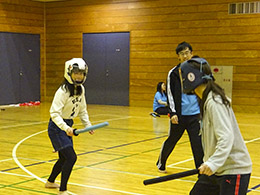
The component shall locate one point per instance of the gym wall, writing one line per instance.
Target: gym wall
(156, 27)
(24, 16)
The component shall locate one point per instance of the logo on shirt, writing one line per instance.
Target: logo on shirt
(76, 102)
(77, 99)
(191, 76)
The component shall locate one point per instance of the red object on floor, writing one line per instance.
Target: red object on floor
(31, 103)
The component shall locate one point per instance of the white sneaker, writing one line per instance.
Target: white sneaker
(63, 193)
(51, 185)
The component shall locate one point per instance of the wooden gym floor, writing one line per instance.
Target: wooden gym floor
(115, 160)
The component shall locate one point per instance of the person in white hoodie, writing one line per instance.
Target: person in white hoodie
(69, 101)
(226, 158)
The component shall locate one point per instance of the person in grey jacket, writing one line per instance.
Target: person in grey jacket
(226, 158)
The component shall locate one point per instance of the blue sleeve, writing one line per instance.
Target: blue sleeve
(157, 96)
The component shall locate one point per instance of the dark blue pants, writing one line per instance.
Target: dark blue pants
(58, 137)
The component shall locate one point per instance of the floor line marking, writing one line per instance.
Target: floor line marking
(15, 174)
(254, 188)
(21, 166)
(180, 162)
(255, 177)
(172, 165)
(106, 189)
(41, 122)
(6, 160)
(35, 176)
(23, 125)
(42, 180)
(252, 140)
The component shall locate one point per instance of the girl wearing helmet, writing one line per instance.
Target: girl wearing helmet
(69, 101)
(226, 158)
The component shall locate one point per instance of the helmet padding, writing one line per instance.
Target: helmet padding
(75, 65)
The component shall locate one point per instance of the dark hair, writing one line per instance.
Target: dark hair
(210, 86)
(182, 46)
(74, 90)
(159, 88)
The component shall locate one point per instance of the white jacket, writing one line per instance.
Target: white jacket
(225, 151)
(65, 107)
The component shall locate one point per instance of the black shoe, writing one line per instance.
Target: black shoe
(161, 169)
